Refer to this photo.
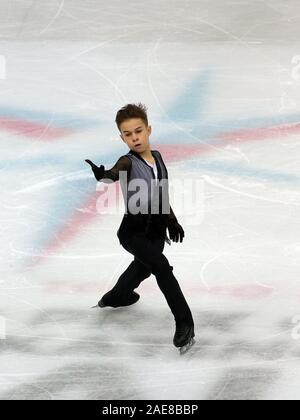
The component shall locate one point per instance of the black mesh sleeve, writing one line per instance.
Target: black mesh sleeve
(122, 164)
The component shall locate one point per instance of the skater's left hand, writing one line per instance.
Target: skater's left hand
(98, 171)
(175, 231)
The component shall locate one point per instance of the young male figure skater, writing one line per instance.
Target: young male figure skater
(143, 233)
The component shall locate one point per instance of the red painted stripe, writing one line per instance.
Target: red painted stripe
(258, 134)
(179, 152)
(79, 219)
(32, 129)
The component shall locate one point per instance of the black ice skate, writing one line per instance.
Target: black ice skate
(184, 337)
(133, 298)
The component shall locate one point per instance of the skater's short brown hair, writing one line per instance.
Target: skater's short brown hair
(132, 111)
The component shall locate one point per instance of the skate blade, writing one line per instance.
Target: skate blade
(185, 348)
(99, 306)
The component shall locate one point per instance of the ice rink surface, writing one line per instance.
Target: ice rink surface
(221, 81)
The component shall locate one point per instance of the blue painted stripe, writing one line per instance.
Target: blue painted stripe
(57, 120)
(189, 106)
(70, 194)
(240, 171)
(74, 165)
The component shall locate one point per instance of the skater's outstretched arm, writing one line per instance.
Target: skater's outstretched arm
(122, 164)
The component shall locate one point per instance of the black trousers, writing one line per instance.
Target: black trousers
(149, 259)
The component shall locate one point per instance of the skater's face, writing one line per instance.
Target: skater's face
(135, 134)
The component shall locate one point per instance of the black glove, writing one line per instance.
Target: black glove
(98, 171)
(175, 231)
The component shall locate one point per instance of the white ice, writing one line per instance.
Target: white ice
(221, 81)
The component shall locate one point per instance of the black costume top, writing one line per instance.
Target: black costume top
(153, 223)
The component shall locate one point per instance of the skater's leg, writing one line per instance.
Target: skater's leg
(149, 252)
(120, 294)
